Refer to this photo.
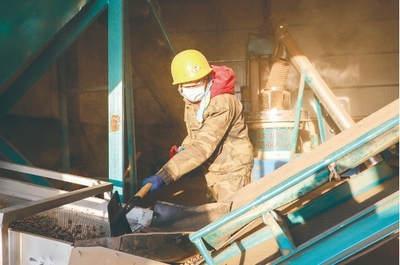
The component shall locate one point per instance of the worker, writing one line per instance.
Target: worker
(217, 139)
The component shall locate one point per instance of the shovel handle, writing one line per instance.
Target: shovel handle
(139, 195)
(144, 190)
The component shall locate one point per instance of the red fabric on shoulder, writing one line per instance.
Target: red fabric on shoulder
(224, 80)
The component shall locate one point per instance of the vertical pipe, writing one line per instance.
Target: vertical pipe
(332, 105)
(320, 120)
(264, 72)
(297, 116)
(254, 81)
(315, 81)
(116, 96)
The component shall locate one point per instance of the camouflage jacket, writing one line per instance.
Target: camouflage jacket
(220, 144)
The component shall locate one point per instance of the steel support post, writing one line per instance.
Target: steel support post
(116, 101)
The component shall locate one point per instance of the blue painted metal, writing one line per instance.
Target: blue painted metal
(235, 249)
(284, 242)
(359, 184)
(116, 101)
(11, 153)
(320, 120)
(349, 237)
(262, 167)
(331, 104)
(26, 26)
(257, 207)
(61, 41)
(299, 103)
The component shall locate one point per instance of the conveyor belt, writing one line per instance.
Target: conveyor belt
(327, 220)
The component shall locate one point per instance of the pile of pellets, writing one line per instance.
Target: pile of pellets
(56, 223)
(46, 224)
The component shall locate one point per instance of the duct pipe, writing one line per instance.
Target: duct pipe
(254, 81)
(264, 71)
(314, 80)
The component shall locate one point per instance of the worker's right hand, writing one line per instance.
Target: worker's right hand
(156, 180)
(174, 150)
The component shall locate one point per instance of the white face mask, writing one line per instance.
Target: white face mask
(193, 94)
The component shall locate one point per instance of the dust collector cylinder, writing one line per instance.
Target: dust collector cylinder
(271, 133)
(272, 141)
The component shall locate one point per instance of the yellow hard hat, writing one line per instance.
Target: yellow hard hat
(189, 65)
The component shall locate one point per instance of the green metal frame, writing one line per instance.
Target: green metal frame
(274, 231)
(75, 17)
(297, 185)
(116, 103)
(13, 155)
(65, 21)
(299, 103)
(62, 40)
(380, 220)
(64, 30)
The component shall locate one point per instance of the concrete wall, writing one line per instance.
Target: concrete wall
(354, 46)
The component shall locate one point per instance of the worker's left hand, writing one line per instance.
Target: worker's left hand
(156, 180)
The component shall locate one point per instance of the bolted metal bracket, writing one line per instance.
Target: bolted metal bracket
(280, 231)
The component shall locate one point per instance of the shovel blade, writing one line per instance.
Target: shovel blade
(118, 222)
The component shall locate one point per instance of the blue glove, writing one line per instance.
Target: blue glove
(156, 180)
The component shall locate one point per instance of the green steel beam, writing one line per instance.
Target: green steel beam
(320, 119)
(26, 26)
(299, 103)
(359, 184)
(116, 96)
(350, 236)
(255, 239)
(363, 181)
(304, 181)
(13, 155)
(62, 40)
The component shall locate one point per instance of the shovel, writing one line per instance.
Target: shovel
(167, 238)
(117, 214)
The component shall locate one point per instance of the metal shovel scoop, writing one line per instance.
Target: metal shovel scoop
(117, 214)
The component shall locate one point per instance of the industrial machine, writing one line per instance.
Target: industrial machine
(307, 210)
(274, 125)
(298, 209)
(40, 224)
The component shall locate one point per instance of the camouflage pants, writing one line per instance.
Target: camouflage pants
(222, 187)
